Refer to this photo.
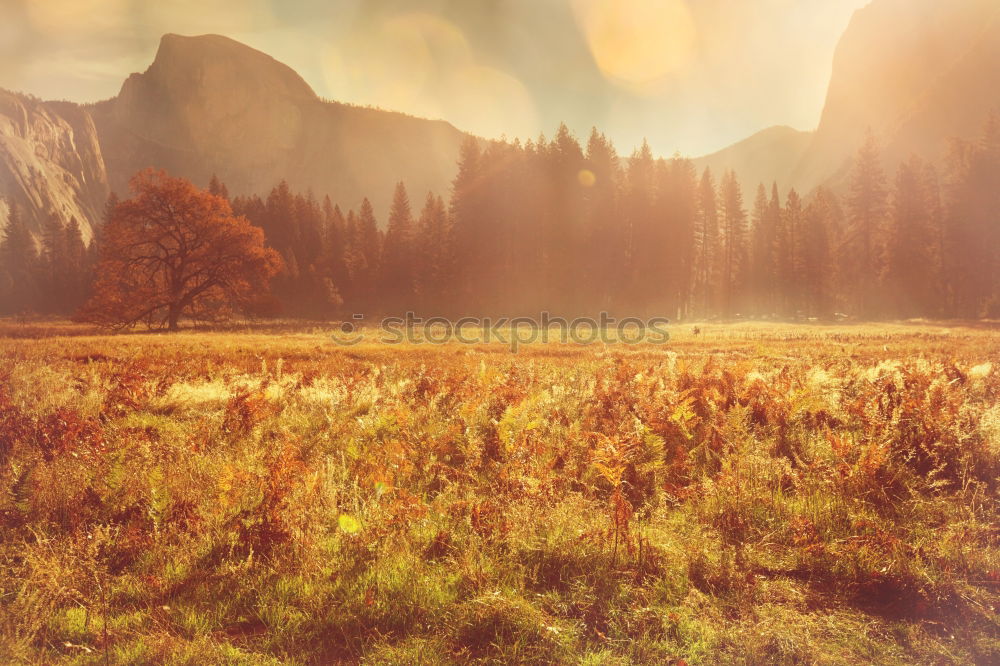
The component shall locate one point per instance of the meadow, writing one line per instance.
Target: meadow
(753, 493)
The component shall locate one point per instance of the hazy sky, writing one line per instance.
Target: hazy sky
(690, 75)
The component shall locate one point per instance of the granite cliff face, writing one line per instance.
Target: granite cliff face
(212, 105)
(50, 161)
(917, 72)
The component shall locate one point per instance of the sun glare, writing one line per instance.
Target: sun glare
(637, 43)
(423, 64)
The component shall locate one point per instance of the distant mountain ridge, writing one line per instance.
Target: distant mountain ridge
(770, 155)
(917, 72)
(210, 105)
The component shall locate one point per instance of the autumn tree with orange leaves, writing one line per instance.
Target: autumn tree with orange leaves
(174, 251)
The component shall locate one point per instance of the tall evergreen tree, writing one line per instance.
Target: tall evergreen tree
(434, 261)
(790, 261)
(19, 263)
(680, 197)
(604, 251)
(734, 236)
(762, 265)
(217, 187)
(867, 207)
(643, 253)
(369, 246)
(53, 277)
(79, 271)
(815, 271)
(466, 210)
(908, 268)
(707, 243)
(397, 256)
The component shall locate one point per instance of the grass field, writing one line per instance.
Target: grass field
(752, 494)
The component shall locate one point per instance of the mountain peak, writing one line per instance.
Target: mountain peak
(208, 63)
(210, 105)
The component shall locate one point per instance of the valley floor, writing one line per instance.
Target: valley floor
(751, 493)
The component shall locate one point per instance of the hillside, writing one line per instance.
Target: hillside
(766, 157)
(210, 105)
(50, 160)
(917, 72)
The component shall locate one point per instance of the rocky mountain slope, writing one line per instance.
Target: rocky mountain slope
(50, 161)
(210, 105)
(917, 72)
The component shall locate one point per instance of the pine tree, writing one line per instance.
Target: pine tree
(643, 254)
(78, 270)
(990, 204)
(218, 188)
(707, 243)
(369, 245)
(604, 252)
(467, 209)
(434, 262)
(681, 203)
(281, 223)
(565, 232)
(815, 271)
(734, 236)
(310, 228)
(355, 262)
(790, 254)
(909, 268)
(937, 237)
(762, 252)
(52, 275)
(20, 264)
(397, 256)
(334, 249)
(867, 207)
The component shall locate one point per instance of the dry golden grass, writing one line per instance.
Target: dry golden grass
(755, 493)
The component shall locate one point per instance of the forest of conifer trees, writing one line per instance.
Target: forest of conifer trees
(550, 225)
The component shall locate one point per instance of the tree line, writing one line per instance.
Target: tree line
(52, 279)
(553, 225)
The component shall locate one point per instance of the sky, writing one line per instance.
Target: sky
(691, 76)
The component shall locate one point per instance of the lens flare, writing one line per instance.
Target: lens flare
(637, 43)
(424, 64)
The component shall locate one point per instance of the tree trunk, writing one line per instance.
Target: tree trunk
(173, 316)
